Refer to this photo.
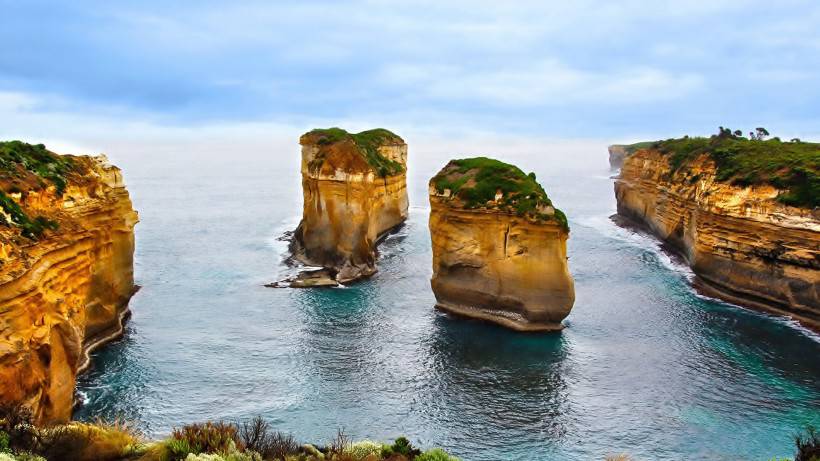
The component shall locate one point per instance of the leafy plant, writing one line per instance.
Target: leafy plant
(208, 437)
(401, 446)
(436, 454)
(363, 449)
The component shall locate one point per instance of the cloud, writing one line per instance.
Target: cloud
(561, 68)
(549, 83)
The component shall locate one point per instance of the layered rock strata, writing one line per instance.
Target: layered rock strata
(744, 244)
(66, 247)
(355, 191)
(499, 247)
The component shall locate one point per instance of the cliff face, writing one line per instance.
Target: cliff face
(500, 260)
(617, 153)
(745, 246)
(66, 291)
(355, 190)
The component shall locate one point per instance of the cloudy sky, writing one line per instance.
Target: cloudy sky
(76, 71)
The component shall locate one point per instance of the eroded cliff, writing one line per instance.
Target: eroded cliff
(714, 201)
(355, 191)
(66, 272)
(499, 247)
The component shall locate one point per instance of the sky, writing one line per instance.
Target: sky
(87, 73)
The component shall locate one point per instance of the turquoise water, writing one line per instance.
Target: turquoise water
(645, 366)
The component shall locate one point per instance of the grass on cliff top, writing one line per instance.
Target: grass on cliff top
(475, 182)
(793, 167)
(368, 143)
(630, 148)
(18, 157)
(19, 161)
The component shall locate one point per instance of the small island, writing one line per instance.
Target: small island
(743, 211)
(499, 246)
(355, 191)
(66, 271)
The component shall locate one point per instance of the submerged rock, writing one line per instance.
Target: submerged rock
(499, 246)
(66, 271)
(355, 191)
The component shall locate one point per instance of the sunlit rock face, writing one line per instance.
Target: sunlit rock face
(66, 290)
(498, 258)
(355, 191)
(745, 246)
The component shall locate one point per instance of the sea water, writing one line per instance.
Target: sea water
(645, 366)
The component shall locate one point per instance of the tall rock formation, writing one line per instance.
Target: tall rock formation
(355, 191)
(744, 214)
(66, 271)
(499, 246)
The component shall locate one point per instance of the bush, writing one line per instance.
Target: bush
(208, 437)
(364, 448)
(65, 443)
(808, 445)
(436, 454)
(401, 446)
(256, 435)
(16, 423)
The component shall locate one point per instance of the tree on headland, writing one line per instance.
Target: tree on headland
(759, 134)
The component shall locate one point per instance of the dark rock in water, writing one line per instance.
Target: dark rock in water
(308, 279)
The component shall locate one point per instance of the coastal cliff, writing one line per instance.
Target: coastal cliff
(355, 191)
(499, 247)
(742, 212)
(66, 271)
(619, 152)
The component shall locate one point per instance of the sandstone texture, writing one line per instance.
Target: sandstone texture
(66, 271)
(743, 242)
(355, 191)
(499, 247)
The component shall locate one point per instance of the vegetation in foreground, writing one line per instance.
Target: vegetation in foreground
(25, 167)
(368, 143)
(475, 181)
(793, 166)
(253, 440)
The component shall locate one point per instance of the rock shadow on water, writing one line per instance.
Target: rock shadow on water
(519, 382)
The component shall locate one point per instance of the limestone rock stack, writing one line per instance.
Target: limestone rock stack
(355, 191)
(499, 246)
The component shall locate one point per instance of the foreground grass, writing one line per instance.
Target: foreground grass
(476, 181)
(793, 167)
(253, 440)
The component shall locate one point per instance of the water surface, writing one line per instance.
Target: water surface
(645, 366)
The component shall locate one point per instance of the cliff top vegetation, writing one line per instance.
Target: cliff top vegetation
(475, 182)
(25, 167)
(793, 166)
(630, 148)
(367, 142)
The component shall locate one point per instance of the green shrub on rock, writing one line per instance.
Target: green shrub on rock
(363, 449)
(436, 454)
